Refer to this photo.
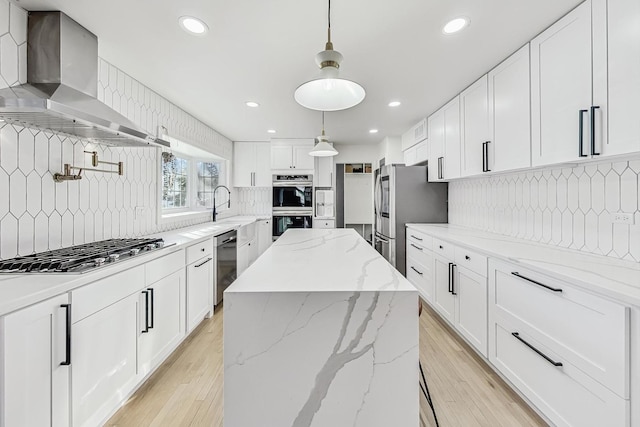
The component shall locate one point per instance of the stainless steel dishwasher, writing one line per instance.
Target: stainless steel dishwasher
(226, 255)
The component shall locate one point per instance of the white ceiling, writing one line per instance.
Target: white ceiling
(262, 50)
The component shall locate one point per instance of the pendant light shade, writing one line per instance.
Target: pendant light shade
(329, 92)
(323, 148)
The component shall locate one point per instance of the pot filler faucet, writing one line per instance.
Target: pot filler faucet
(214, 200)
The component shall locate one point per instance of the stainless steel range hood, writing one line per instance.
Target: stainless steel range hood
(62, 76)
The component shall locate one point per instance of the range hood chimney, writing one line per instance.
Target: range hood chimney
(62, 76)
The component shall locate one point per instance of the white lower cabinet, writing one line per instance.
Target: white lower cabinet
(162, 320)
(565, 349)
(34, 376)
(265, 237)
(104, 357)
(199, 291)
(444, 299)
(324, 223)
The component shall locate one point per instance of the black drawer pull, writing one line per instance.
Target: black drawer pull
(440, 246)
(202, 249)
(203, 263)
(467, 257)
(146, 312)
(152, 309)
(515, 273)
(417, 247)
(593, 130)
(67, 344)
(547, 358)
(417, 238)
(416, 271)
(581, 133)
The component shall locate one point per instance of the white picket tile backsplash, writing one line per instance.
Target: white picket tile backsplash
(254, 201)
(37, 214)
(567, 207)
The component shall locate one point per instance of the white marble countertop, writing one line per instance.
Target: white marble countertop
(608, 276)
(318, 260)
(21, 290)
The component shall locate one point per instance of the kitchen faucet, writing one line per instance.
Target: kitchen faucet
(214, 200)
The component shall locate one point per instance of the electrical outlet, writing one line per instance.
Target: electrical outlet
(623, 218)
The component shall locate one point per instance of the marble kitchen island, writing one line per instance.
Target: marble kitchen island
(321, 331)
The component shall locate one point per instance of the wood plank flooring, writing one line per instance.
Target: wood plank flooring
(187, 389)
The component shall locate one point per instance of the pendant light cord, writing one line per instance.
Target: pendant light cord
(329, 13)
(323, 123)
(329, 45)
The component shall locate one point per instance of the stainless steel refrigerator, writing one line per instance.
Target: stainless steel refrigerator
(402, 196)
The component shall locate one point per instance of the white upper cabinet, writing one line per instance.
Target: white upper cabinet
(444, 139)
(623, 75)
(415, 135)
(323, 176)
(292, 154)
(474, 127)
(568, 123)
(509, 114)
(251, 164)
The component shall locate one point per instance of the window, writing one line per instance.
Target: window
(188, 183)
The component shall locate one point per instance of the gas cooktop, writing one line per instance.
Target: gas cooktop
(80, 258)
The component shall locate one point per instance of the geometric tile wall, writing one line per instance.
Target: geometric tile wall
(566, 207)
(254, 201)
(37, 214)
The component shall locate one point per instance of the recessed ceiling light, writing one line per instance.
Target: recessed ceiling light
(193, 25)
(455, 25)
(394, 103)
(252, 104)
(271, 131)
(373, 130)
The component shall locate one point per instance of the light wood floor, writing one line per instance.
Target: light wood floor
(187, 389)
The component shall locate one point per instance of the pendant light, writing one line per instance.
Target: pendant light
(329, 92)
(323, 148)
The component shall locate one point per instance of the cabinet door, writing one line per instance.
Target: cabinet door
(265, 239)
(474, 114)
(444, 300)
(422, 152)
(253, 251)
(436, 142)
(281, 156)
(199, 291)
(162, 320)
(34, 383)
(623, 77)
(471, 307)
(509, 111)
(301, 157)
(561, 84)
(262, 172)
(244, 164)
(451, 167)
(104, 350)
(243, 259)
(323, 176)
(324, 223)
(410, 156)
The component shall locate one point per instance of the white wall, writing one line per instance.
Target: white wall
(361, 153)
(37, 214)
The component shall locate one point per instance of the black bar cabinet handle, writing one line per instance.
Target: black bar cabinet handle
(581, 133)
(416, 237)
(450, 278)
(515, 273)
(417, 247)
(467, 257)
(593, 129)
(152, 309)
(547, 358)
(146, 312)
(453, 279)
(67, 344)
(203, 262)
(416, 270)
(485, 157)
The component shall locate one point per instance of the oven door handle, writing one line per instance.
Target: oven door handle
(292, 184)
(292, 213)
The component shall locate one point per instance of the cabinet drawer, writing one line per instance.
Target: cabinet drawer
(588, 331)
(98, 295)
(421, 276)
(199, 250)
(419, 238)
(563, 393)
(324, 223)
(417, 252)
(443, 248)
(471, 260)
(164, 266)
(246, 233)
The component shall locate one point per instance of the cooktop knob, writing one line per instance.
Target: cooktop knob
(134, 252)
(99, 261)
(113, 257)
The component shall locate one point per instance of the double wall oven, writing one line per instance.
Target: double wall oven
(292, 202)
